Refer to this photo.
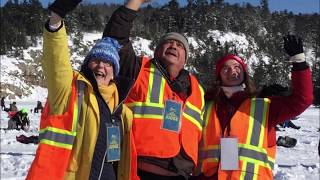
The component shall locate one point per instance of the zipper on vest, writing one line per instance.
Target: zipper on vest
(105, 152)
(102, 165)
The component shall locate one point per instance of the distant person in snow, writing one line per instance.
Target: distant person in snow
(286, 141)
(28, 139)
(38, 107)
(85, 130)
(240, 138)
(13, 107)
(3, 104)
(19, 120)
(289, 124)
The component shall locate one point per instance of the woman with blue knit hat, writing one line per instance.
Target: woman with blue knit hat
(85, 130)
(105, 51)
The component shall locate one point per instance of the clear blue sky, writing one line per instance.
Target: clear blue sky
(296, 6)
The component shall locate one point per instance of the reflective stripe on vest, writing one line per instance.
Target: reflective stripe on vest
(64, 138)
(57, 137)
(208, 152)
(252, 153)
(154, 105)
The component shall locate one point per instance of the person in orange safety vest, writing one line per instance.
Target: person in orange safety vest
(85, 130)
(166, 100)
(239, 129)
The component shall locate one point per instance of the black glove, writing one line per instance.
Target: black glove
(274, 90)
(293, 45)
(62, 7)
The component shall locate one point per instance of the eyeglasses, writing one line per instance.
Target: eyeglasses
(98, 61)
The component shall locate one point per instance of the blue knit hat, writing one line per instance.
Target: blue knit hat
(106, 49)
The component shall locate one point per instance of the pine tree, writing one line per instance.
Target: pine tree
(264, 8)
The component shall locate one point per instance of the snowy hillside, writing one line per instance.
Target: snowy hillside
(16, 71)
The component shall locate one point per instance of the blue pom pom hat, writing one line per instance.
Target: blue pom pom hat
(106, 49)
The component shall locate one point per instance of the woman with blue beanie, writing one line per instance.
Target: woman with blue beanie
(85, 130)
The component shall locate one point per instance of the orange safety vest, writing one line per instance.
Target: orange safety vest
(250, 125)
(57, 133)
(147, 100)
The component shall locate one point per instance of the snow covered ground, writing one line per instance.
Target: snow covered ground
(300, 162)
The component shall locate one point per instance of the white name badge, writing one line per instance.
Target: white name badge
(229, 154)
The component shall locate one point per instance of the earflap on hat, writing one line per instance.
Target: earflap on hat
(106, 49)
(221, 61)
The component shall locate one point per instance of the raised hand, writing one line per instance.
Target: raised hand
(135, 4)
(141, 1)
(62, 7)
(293, 45)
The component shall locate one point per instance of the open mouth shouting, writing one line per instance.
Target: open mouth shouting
(171, 52)
(99, 74)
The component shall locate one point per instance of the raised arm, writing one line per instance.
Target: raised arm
(135, 4)
(120, 23)
(56, 58)
(119, 27)
(284, 108)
